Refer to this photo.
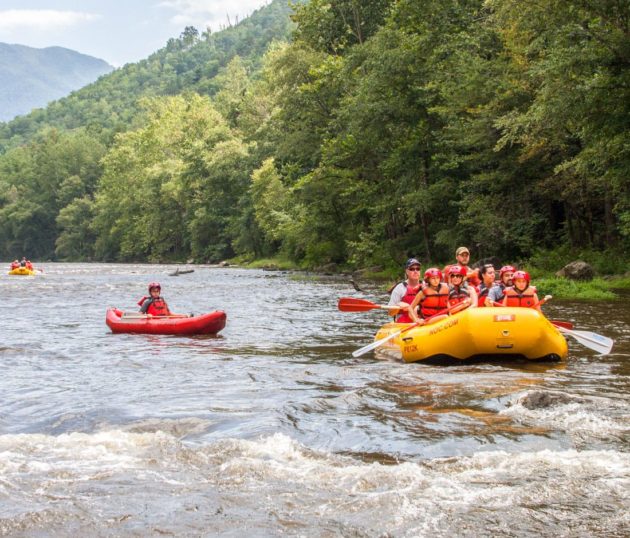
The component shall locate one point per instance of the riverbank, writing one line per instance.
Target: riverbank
(601, 288)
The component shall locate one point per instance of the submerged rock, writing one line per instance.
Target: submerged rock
(540, 399)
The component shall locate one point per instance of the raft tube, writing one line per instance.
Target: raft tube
(479, 333)
(210, 323)
(23, 271)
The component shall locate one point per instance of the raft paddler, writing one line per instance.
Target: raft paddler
(432, 298)
(497, 293)
(521, 293)
(462, 257)
(487, 274)
(404, 293)
(459, 291)
(154, 305)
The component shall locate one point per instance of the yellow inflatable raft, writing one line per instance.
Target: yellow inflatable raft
(479, 333)
(24, 271)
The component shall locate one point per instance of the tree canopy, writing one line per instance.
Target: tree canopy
(376, 130)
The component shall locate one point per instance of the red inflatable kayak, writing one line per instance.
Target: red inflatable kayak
(121, 322)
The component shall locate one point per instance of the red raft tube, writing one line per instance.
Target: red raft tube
(121, 322)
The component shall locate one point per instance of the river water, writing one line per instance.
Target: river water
(273, 428)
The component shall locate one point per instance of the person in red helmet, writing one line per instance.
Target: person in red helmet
(521, 293)
(154, 305)
(459, 290)
(497, 293)
(433, 297)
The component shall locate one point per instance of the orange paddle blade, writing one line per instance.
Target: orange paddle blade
(352, 304)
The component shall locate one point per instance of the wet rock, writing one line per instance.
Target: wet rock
(224, 264)
(577, 270)
(541, 399)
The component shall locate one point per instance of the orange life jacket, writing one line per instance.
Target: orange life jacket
(524, 298)
(434, 300)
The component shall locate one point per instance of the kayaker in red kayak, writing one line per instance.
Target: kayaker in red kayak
(154, 305)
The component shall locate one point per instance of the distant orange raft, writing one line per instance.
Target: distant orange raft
(479, 333)
(121, 322)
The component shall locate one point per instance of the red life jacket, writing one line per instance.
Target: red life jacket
(516, 298)
(482, 293)
(459, 294)
(434, 300)
(158, 307)
(408, 298)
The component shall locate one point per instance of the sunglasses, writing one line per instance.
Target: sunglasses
(457, 276)
(414, 269)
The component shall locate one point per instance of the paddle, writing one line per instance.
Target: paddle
(563, 324)
(352, 304)
(146, 316)
(379, 343)
(597, 342)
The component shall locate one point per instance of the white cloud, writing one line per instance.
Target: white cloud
(42, 19)
(203, 13)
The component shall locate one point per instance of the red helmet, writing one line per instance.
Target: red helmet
(456, 270)
(154, 285)
(506, 269)
(432, 271)
(521, 274)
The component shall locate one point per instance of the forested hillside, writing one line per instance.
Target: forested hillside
(378, 130)
(31, 78)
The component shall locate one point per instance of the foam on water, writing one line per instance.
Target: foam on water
(116, 476)
(584, 421)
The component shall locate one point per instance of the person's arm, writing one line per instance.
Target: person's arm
(145, 305)
(473, 296)
(537, 302)
(395, 299)
(492, 296)
(413, 308)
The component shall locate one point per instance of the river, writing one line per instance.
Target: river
(273, 428)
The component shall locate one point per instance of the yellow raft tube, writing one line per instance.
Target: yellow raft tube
(479, 333)
(22, 271)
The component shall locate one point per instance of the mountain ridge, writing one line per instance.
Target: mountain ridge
(33, 77)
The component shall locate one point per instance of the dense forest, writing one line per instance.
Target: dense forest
(352, 132)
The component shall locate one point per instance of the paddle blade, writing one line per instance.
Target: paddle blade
(379, 343)
(351, 304)
(563, 324)
(597, 342)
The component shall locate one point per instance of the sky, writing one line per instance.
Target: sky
(117, 31)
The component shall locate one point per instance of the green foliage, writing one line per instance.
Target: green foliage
(563, 288)
(383, 130)
(607, 262)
